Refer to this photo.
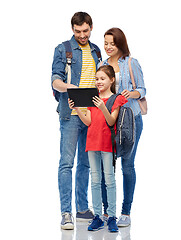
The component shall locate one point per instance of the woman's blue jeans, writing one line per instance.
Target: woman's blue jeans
(95, 159)
(129, 174)
(73, 133)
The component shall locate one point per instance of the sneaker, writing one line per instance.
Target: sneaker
(124, 221)
(96, 224)
(112, 227)
(67, 221)
(84, 217)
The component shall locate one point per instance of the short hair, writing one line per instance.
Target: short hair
(80, 18)
(119, 40)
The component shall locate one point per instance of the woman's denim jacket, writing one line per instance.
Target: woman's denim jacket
(58, 72)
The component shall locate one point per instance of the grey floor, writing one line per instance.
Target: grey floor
(80, 233)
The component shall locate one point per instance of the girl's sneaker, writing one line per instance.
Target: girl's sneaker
(112, 226)
(124, 221)
(96, 224)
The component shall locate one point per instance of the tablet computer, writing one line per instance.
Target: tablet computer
(82, 97)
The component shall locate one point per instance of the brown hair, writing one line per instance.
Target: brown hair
(119, 40)
(80, 18)
(109, 71)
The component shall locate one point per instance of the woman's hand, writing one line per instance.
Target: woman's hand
(126, 93)
(98, 103)
(133, 94)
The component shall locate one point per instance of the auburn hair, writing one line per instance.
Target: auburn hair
(119, 40)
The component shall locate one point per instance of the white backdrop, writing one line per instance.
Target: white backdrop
(29, 129)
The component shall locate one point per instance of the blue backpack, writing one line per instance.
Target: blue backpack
(125, 137)
(68, 50)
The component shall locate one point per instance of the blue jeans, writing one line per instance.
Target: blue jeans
(128, 170)
(73, 133)
(95, 158)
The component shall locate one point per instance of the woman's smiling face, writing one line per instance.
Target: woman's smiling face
(110, 46)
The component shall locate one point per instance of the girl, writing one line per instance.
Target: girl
(99, 145)
(116, 47)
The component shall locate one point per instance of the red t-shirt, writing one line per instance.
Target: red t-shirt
(99, 134)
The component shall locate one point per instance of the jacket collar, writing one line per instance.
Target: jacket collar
(75, 44)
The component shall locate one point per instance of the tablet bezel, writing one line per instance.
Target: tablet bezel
(82, 97)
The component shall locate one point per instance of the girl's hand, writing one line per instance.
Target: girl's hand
(71, 104)
(98, 103)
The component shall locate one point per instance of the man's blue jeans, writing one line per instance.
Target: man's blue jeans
(73, 132)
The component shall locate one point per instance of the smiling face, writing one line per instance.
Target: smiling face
(110, 47)
(82, 33)
(103, 82)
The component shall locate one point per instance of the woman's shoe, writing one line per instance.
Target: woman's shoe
(124, 221)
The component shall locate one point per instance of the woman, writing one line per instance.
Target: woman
(116, 47)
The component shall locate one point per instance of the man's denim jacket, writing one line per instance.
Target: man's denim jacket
(58, 72)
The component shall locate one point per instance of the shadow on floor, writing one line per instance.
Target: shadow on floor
(80, 233)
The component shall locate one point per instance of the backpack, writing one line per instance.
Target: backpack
(68, 50)
(125, 137)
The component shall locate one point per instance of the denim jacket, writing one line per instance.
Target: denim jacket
(126, 83)
(58, 72)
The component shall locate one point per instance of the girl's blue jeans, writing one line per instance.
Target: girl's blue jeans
(129, 174)
(95, 159)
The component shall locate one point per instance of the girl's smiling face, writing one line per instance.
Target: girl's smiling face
(103, 82)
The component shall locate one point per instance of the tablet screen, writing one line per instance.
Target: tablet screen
(82, 97)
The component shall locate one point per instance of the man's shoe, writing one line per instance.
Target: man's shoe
(112, 227)
(96, 224)
(67, 221)
(84, 217)
(124, 221)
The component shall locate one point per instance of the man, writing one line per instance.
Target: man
(73, 131)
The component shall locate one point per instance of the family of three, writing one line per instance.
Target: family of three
(85, 129)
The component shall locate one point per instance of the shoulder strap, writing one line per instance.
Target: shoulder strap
(68, 50)
(111, 101)
(98, 52)
(109, 105)
(131, 73)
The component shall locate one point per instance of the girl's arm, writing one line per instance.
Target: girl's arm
(86, 119)
(110, 117)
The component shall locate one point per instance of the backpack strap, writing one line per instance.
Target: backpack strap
(109, 105)
(68, 50)
(98, 52)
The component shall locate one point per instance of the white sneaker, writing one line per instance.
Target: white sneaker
(67, 221)
(124, 221)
